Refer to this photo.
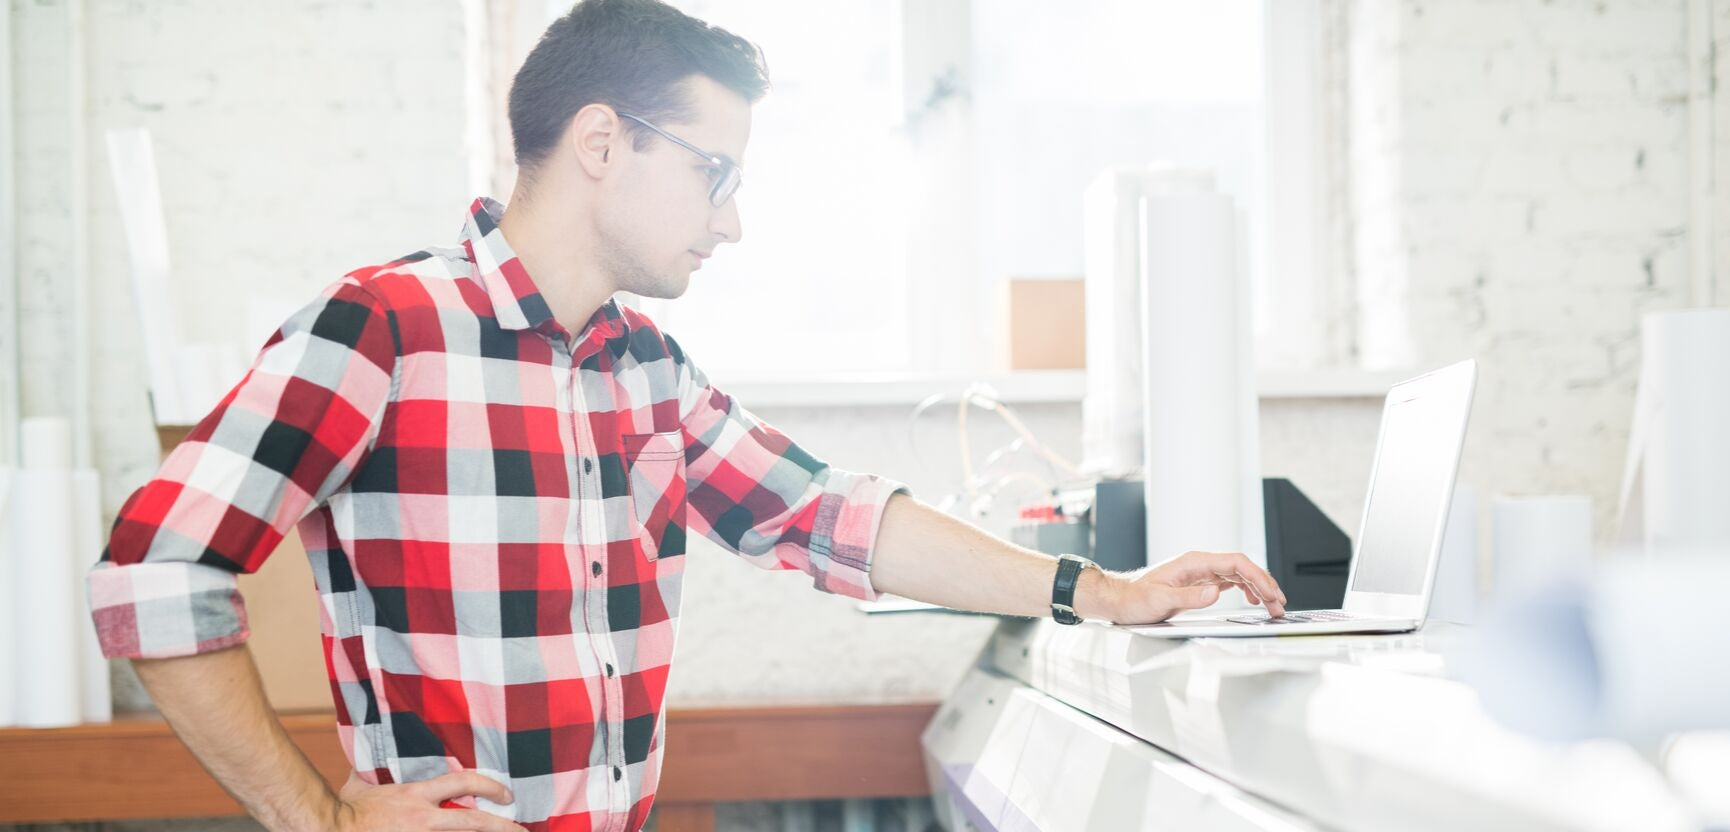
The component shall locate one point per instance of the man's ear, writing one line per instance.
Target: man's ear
(595, 133)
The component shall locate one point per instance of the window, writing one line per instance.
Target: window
(819, 282)
(915, 154)
(1065, 91)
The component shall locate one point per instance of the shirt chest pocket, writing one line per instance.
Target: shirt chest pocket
(655, 467)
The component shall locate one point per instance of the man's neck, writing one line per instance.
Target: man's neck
(562, 264)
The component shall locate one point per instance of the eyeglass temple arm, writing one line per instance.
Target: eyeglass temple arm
(712, 157)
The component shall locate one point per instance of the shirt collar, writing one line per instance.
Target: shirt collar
(517, 304)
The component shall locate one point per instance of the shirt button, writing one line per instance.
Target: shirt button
(588, 465)
(595, 568)
(617, 773)
(609, 669)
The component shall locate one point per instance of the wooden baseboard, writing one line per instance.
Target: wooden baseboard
(136, 768)
(795, 753)
(683, 817)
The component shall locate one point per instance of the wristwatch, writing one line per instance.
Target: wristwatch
(1063, 589)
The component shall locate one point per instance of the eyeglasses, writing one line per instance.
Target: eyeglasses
(728, 173)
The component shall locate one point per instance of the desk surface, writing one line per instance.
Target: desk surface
(1357, 732)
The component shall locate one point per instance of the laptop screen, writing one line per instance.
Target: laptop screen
(1408, 495)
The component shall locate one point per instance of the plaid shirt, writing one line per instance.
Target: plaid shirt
(495, 512)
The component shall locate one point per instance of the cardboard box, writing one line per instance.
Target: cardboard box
(1047, 324)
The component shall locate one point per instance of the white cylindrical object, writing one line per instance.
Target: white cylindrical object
(1112, 419)
(1455, 597)
(1609, 653)
(1111, 408)
(1686, 470)
(96, 699)
(43, 603)
(1664, 662)
(8, 630)
(1534, 537)
(132, 161)
(47, 444)
(1195, 424)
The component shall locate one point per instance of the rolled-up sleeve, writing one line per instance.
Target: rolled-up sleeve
(290, 434)
(756, 492)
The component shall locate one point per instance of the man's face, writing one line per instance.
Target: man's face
(655, 221)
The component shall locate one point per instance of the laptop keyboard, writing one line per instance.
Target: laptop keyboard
(1295, 617)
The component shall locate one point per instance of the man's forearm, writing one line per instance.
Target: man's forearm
(923, 554)
(216, 704)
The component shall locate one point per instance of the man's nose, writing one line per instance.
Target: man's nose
(724, 222)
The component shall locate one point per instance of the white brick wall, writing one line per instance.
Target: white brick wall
(294, 141)
(1720, 149)
(43, 179)
(1523, 198)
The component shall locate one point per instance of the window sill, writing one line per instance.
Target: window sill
(1025, 387)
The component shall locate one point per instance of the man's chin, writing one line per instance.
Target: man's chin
(666, 289)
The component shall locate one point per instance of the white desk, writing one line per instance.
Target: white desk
(1094, 728)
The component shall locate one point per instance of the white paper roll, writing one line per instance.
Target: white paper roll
(1111, 409)
(1456, 592)
(43, 603)
(1677, 491)
(96, 699)
(1664, 658)
(8, 630)
(1619, 652)
(1534, 537)
(1200, 428)
(1531, 659)
(1112, 420)
(132, 161)
(45, 444)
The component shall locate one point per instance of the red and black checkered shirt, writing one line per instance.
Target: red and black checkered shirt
(495, 512)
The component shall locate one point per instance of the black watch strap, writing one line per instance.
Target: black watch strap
(1063, 588)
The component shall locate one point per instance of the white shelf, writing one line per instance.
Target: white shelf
(1023, 387)
(897, 390)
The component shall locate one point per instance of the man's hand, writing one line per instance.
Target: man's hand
(924, 554)
(1191, 581)
(365, 807)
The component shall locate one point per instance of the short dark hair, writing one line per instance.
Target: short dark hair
(631, 55)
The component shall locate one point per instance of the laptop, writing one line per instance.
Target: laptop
(1400, 540)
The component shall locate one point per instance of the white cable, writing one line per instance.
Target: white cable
(962, 439)
(1015, 422)
(998, 455)
(977, 490)
(913, 428)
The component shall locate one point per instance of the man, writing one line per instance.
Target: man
(494, 467)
